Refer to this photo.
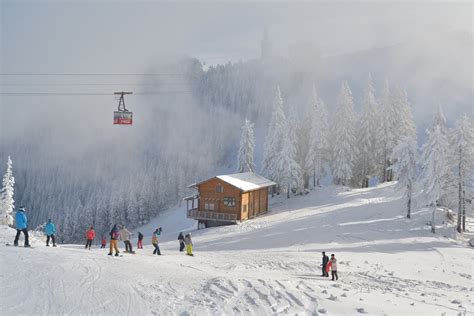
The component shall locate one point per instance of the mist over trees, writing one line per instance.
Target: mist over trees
(104, 174)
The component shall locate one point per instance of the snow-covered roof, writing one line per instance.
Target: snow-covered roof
(247, 181)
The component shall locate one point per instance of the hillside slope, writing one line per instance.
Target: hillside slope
(387, 265)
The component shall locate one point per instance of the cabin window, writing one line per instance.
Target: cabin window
(229, 201)
(219, 188)
(209, 206)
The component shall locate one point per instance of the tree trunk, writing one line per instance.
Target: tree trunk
(433, 228)
(384, 174)
(458, 228)
(314, 177)
(460, 189)
(288, 193)
(409, 193)
(463, 208)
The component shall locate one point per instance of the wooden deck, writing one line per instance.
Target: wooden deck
(208, 215)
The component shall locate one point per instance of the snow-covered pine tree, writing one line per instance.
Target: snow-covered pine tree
(246, 149)
(434, 165)
(7, 203)
(343, 137)
(366, 138)
(385, 133)
(462, 145)
(273, 140)
(405, 157)
(404, 123)
(318, 151)
(287, 171)
(450, 188)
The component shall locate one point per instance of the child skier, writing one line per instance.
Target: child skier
(155, 242)
(334, 267)
(103, 242)
(50, 230)
(189, 244)
(140, 241)
(90, 235)
(114, 236)
(181, 242)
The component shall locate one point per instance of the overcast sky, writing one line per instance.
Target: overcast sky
(95, 36)
(128, 36)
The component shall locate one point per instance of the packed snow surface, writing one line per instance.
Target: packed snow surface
(270, 265)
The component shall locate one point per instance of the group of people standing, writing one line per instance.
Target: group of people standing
(118, 232)
(329, 264)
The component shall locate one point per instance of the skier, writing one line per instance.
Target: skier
(50, 230)
(334, 267)
(90, 235)
(114, 236)
(21, 226)
(125, 237)
(140, 241)
(189, 244)
(181, 242)
(103, 242)
(155, 242)
(325, 263)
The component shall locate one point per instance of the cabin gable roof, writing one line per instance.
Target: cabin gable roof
(247, 181)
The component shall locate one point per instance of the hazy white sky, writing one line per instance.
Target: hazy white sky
(94, 36)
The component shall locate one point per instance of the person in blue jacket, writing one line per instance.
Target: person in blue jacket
(21, 226)
(50, 230)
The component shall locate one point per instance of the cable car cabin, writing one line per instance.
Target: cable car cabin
(228, 199)
(123, 117)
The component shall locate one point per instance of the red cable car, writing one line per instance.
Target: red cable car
(122, 116)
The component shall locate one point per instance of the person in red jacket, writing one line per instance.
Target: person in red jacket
(103, 242)
(90, 235)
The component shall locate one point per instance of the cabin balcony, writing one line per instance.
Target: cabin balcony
(213, 216)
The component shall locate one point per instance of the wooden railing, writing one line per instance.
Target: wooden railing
(223, 217)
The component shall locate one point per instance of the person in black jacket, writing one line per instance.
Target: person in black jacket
(181, 242)
(325, 263)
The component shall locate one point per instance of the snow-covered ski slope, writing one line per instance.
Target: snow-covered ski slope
(387, 265)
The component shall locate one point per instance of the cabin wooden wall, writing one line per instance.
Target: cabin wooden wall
(256, 202)
(208, 194)
(247, 204)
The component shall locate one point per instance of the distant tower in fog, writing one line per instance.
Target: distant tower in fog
(266, 45)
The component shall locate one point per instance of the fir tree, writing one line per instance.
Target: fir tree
(405, 157)
(366, 138)
(385, 134)
(246, 149)
(7, 203)
(462, 145)
(318, 152)
(287, 170)
(434, 165)
(273, 140)
(343, 148)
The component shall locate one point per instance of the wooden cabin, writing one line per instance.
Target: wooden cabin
(228, 199)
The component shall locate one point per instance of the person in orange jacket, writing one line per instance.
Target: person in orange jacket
(90, 235)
